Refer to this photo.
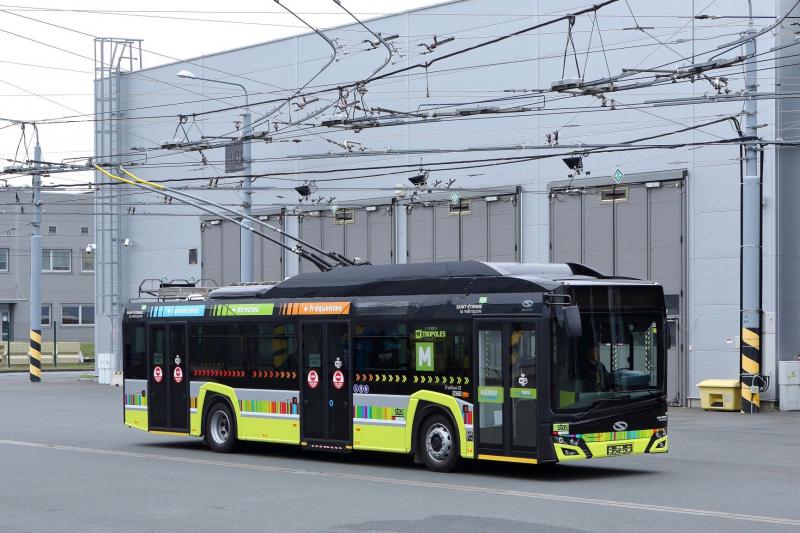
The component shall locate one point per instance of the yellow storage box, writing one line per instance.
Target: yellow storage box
(720, 394)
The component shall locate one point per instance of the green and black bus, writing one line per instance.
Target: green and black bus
(528, 363)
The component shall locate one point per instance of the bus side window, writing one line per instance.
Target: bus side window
(380, 347)
(272, 347)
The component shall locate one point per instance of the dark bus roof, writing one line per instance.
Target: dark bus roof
(454, 277)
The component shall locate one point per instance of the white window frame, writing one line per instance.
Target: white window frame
(49, 308)
(7, 252)
(80, 315)
(84, 255)
(49, 266)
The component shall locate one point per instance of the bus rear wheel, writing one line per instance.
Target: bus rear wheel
(220, 428)
(437, 444)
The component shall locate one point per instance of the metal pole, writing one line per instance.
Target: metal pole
(246, 235)
(55, 339)
(35, 351)
(750, 271)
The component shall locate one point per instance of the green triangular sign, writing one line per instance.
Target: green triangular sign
(617, 175)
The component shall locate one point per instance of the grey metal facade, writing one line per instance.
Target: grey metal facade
(511, 68)
(67, 225)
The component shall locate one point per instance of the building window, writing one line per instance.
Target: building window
(614, 195)
(344, 216)
(46, 315)
(56, 260)
(51, 229)
(77, 315)
(192, 256)
(84, 230)
(87, 262)
(3, 259)
(461, 208)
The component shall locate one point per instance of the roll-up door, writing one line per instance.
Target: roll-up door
(481, 228)
(634, 229)
(221, 252)
(357, 232)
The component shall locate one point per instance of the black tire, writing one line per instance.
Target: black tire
(221, 428)
(437, 443)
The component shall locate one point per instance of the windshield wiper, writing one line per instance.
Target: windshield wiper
(600, 403)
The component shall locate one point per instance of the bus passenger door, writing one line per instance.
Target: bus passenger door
(167, 383)
(507, 394)
(326, 414)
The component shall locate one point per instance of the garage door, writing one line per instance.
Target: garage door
(482, 228)
(221, 252)
(363, 232)
(634, 229)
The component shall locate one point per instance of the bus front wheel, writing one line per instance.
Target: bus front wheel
(221, 428)
(438, 444)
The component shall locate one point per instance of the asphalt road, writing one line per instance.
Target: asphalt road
(68, 464)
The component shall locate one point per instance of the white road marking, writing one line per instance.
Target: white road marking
(425, 484)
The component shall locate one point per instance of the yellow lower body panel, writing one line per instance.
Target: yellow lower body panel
(285, 431)
(136, 418)
(567, 452)
(379, 438)
(507, 459)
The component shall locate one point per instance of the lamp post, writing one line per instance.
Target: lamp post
(246, 236)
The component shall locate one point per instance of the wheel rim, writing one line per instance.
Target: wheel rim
(220, 426)
(438, 442)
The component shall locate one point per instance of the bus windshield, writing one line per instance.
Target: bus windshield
(618, 356)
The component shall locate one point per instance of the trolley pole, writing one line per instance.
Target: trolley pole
(35, 351)
(750, 282)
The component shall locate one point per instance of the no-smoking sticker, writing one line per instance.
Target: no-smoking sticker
(158, 375)
(177, 374)
(338, 379)
(313, 379)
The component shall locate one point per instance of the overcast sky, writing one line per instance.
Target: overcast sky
(53, 77)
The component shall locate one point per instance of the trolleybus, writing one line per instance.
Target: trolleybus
(528, 363)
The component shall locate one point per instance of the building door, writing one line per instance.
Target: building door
(633, 229)
(326, 414)
(5, 323)
(507, 390)
(167, 382)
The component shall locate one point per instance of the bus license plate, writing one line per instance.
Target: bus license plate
(619, 449)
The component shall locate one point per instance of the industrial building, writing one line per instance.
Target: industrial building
(501, 152)
(67, 266)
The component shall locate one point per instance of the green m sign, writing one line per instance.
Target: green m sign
(425, 354)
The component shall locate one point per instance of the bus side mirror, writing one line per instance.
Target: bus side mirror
(569, 317)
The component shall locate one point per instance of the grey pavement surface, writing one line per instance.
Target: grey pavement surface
(68, 464)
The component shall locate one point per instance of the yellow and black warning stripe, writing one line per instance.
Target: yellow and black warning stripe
(751, 366)
(35, 356)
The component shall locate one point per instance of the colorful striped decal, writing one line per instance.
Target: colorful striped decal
(135, 400)
(615, 435)
(268, 407)
(378, 413)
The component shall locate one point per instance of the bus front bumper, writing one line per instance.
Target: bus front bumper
(577, 447)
